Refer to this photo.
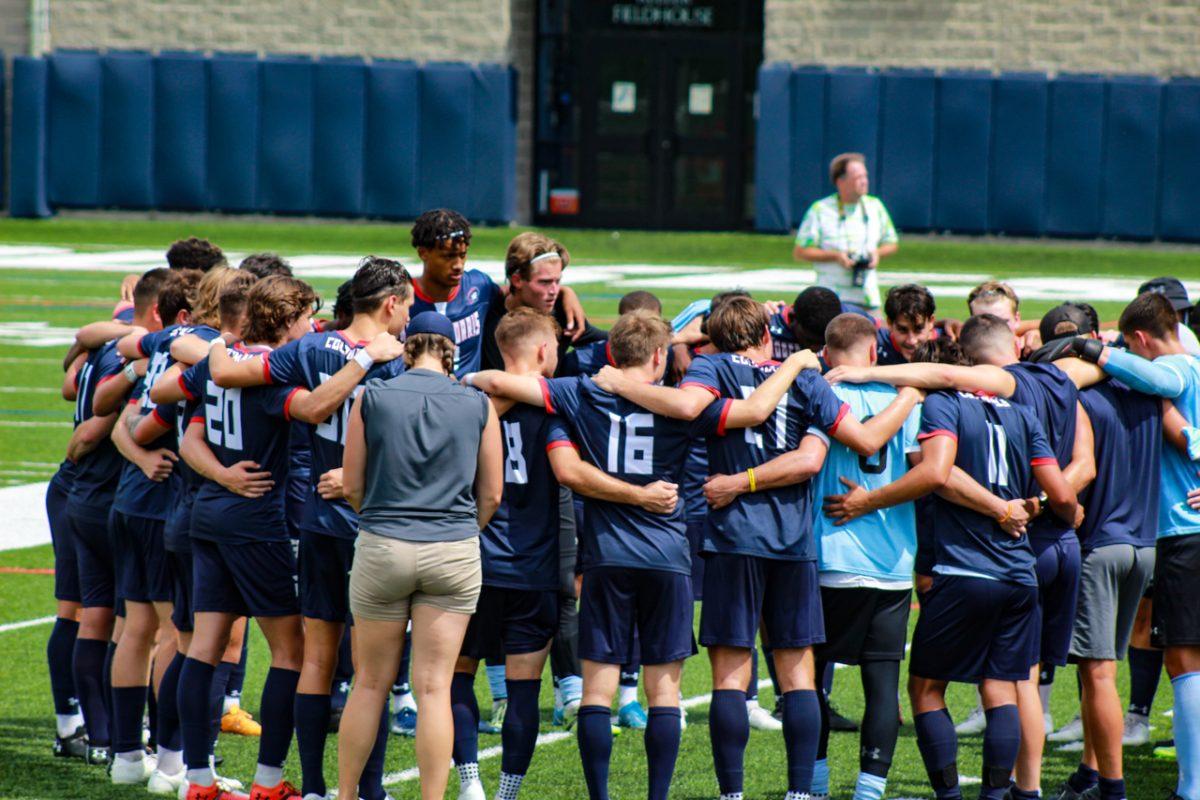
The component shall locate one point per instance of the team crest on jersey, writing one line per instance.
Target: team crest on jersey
(473, 295)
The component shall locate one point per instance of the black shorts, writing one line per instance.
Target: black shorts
(1175, 620)
(94, 561)
(180, 565)
(66, 569)
(695, 534)
(510, 622)
(1059, 564)
(864, 624)
(619, 607)
(740, 591)
(253, 579)
(975, 628)
(325, 563)
(140, 558)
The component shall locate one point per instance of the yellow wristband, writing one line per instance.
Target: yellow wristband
(753, 482)
(1008, 512)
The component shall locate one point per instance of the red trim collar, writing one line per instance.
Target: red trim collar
(422, 296)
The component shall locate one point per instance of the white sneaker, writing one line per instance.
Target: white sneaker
(162, 783)
(682, 719)
(973, 725)
(132, 772)
(1048, 723)
(1137, 731)
(761, 719)
(1070, 747)
(472, 790)
(1071, 732)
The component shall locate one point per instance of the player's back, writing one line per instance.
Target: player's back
(97, 472)
(136, 494)
(1052, 396)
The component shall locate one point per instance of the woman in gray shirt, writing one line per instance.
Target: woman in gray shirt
(424, 468)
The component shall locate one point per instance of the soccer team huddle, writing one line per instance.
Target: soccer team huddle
(796, 469)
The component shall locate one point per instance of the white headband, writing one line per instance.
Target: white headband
(543, 257)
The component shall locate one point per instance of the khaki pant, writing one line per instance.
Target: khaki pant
(389, 576)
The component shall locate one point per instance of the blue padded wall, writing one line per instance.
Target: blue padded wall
(964, 119)
(1180, 191)
(492, 98)
(772, 176)
(233, 128)
(446, 119)
(392, 136)
(339, 134)
(1074, 168)
(285, 145)
(1018, 163)
(180, 131)
(31, 85)
(904, 171)
(852, 113)
(809, 169)
(73, 129)
(127, 130)
(1131, 147)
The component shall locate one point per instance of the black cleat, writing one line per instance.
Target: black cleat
(839, 723)
(98, 756)
(73, 746)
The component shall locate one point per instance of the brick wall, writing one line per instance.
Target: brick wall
(1156, 37)
(14, 27)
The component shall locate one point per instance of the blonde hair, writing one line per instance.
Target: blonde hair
(527, 246)
(521, 324)
(207, 309)
(636, 336)
(989, 291)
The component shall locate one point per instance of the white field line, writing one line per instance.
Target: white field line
(22, 423)
(28, 390)
(28, 623)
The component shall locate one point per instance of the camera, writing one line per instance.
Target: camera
(860, 268)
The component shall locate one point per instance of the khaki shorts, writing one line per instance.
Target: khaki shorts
(389, 576)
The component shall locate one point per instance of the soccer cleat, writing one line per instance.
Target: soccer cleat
(238, 721)
(761, 719)
(162, 783)
(282, 791)
(73, 746)
(337, 704)
(1166, 752)
(214, 792)
(632, 715)
(566, 715)
(472, 790)
(493, 726)
(1066, 792)
(130, 773)
(837, 722)
(98, 756)
(405, 722)
(1071, 732)
(1137, 731)
(973, 725)
(1047, 724)
(1070, 747)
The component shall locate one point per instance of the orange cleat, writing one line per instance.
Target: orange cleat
(214, 792)
(284, 791)
(238, 721)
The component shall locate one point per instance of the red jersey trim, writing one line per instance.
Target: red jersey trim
(198, 418)
(553, 445)
(422, 296)
(184, 389)
(287, 404)
(705, 387)
(842, 412)
(546, 401)
(158, 418)
(608, 352)
(939, 432)
(138, 345)
(724, 416)
(1043, 462)
(266, 359)
(107, 378)
(346, 339)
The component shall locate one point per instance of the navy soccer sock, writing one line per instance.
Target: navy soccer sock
(195, 724)
(168, 705)
(938, 744)
(237, 674)
(106, 678)
(827, 679)
(465, 710)
(216, 696)
(152, 715)
(1083, 778)
(128, 702)
(370, 783)
(278, 716)
(729, 731)
(519, 733)
(662, 749)
(60, 653)
(595, 748)
(1001, 740)
(88, 665)
(1112, 789)
(311, 714)
(801, 729)
(1145, 669)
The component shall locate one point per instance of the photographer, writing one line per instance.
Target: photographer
(845, 235)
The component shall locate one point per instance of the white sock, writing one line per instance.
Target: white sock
(267, 776)
(229, 704)
(509, 786)
(67, 724)
(170, 762)
(628, 694)
(1044, 693)
(132, 755)
(201, 777)
(467, 772)
(732, 796)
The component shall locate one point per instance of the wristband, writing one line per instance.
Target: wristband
(220, 340)
(364, 360)
(130, 372)
(1089, 349)
(753, 482)
(1008, 511)
(468, 380)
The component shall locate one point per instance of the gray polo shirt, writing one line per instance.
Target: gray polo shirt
(422, 432)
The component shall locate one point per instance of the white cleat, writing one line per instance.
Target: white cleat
(761, 719)
(472, 790)
(1137, 731)
(973, 725)
(126, 773)
(1071, 732)
(1071, 747)
(162, 783)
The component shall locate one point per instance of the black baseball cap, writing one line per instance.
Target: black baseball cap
(1068, 319)
(1170, 288)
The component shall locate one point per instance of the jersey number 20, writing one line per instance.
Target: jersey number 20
(223, 416)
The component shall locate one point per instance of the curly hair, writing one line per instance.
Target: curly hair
(273, 305)
(194, 253)
(264, 265)
(439, 226)
(207, 308)
(421, 344)
(910, 300)
(527, 246)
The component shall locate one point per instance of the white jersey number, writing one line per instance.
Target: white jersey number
(515, 470)
(223, 416)
(639, 450)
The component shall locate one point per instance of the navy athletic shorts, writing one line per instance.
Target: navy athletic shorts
(140, 558)
(180, 565)
(695, 535)
(616, 602)
(66, 568)
(252, 579)
(1059, 565)
(325, 563)
(511, 622)
(94, 561)
(975, 628)
(741, 590)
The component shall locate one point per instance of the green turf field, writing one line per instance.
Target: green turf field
(34, 428)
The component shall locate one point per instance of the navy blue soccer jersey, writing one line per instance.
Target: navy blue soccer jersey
(467, 308)
(177, 530)
(775, 524)
(1051, 395)
(97, 473)
(241, 425)
(137, 495)
(156, 346)
(783, 338)
(586, 360)
(308, 362)
(520, 544)
(1121, 504)
(999, 443)
(630, 443)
